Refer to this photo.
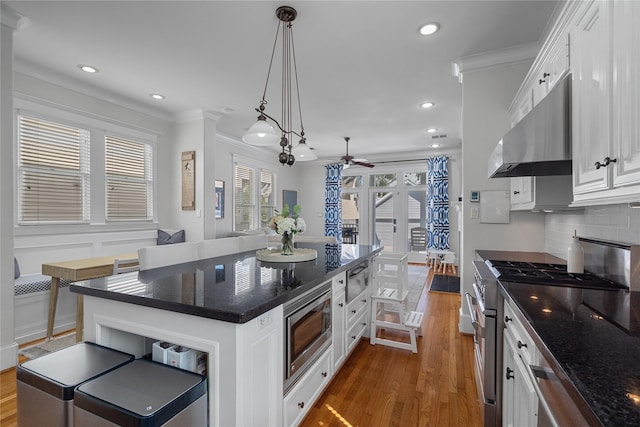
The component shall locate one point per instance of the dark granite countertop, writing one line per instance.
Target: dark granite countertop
(596, 351)
(234, 288)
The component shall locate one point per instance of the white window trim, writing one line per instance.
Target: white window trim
(98, 127)
(257, 167)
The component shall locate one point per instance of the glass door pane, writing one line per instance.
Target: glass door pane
(384, 222)
(350, 218)
(416, 226)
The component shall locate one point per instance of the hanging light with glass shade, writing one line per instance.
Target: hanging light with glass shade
(262, 133)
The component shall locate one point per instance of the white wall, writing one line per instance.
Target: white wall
(487, 94)
(617, 223)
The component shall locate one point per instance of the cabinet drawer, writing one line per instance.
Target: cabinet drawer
(356, 308)
(338, 282)
(523, 342)
(307, 390)
(357, 330)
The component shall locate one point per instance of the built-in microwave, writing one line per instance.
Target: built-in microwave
(307, 332)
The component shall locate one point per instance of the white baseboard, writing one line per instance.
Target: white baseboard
(8, 356)
(465, 326)
(31, 313)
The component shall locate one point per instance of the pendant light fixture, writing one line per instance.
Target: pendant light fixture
(262, 133)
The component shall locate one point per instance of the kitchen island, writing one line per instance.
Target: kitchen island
(590, 339)
(229, 307)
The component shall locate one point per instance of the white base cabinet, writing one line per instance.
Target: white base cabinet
(520, 401)
(302, 396)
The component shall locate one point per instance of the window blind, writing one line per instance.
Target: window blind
(244, 199)
(129, 179)
(267, 197)
(53, 172)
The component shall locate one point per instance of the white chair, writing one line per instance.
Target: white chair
(125, 265)
(212, 248)
(163, 255)
(433, 258)
(389, 292)
(449, 260)
(252, 243)
(316, 239)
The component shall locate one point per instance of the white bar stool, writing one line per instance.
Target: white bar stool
(389, 295)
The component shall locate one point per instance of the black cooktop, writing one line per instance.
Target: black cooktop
(549, 274)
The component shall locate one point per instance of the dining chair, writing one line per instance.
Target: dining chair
(125, 265)
(159, 256)
(433, 258)
(252, 243)
(212, 248)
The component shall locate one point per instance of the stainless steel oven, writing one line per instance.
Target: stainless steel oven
(307, 323)
(357, 280)
(485, 309)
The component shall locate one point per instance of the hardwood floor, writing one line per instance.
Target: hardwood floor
(380, 385)
(385, 386)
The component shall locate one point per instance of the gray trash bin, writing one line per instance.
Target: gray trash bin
(45, 386)
(142, 393)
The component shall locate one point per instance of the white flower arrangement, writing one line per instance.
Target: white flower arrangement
(284, 223)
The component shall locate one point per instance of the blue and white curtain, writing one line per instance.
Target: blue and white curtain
(438, 202)
(333, 201)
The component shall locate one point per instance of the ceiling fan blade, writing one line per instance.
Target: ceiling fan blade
(368, 165)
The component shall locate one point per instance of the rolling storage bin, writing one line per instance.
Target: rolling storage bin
(142, 393)
(45, 386)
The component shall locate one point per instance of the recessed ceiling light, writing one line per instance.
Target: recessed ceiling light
(88, 68)
(427, 104)
(435, 145)
(432, 130)
(428, 29)
(157, 96)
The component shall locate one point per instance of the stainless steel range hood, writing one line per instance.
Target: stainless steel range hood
(540, 144)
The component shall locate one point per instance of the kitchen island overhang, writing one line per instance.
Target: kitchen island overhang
(233, 312)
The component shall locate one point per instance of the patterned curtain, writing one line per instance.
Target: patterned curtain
(438, 202)
(333, 201)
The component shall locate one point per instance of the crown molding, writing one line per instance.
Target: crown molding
(197, 114)
(13, 19)
(495, 58)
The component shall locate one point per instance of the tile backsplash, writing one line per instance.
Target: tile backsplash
(618, 223)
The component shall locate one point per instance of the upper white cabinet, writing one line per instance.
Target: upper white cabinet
(605, 62)
(544, 193)
(626, 92)
(554, 65)
(591, 91)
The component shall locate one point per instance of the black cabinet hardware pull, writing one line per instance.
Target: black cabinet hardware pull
(605, 162)
(324, 375)
(521, 344)
(516, 192)
(507, 319)
(300, 405)
(541, 81)
(509, 373)
(354, 311)
(340, 304)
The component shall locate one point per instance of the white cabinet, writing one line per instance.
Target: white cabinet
(357, 319)
(520, 401)
(544, 193)
(606, 96)
(302, 396)
(626, 93)
(554, 65)
(339, 321)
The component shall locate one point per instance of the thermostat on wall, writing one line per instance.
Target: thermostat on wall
(475, 196)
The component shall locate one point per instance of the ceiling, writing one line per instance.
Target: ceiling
(363, 68)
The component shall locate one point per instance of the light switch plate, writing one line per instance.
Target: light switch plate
(474, 213)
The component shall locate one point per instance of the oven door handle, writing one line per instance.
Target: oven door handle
(535, 372)
(472, 312)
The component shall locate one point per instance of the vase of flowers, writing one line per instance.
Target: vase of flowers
(287, 224)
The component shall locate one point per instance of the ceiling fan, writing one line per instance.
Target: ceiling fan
(350, 160)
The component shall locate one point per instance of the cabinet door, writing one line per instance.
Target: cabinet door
(525, 399)
(339, 325)
(521, 191)
(626, 92)
(508, 372)
(590, 61)
(558, 62)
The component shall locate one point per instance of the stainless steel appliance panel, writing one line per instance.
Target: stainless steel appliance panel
(357, 280)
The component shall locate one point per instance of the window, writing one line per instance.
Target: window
(243, 200)
(254, 198)
(267, 198)
(53, 172)
(129, 179)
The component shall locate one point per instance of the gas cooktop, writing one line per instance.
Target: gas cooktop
(549, 274)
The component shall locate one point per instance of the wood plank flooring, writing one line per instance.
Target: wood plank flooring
(385, 386)
(380, 385)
